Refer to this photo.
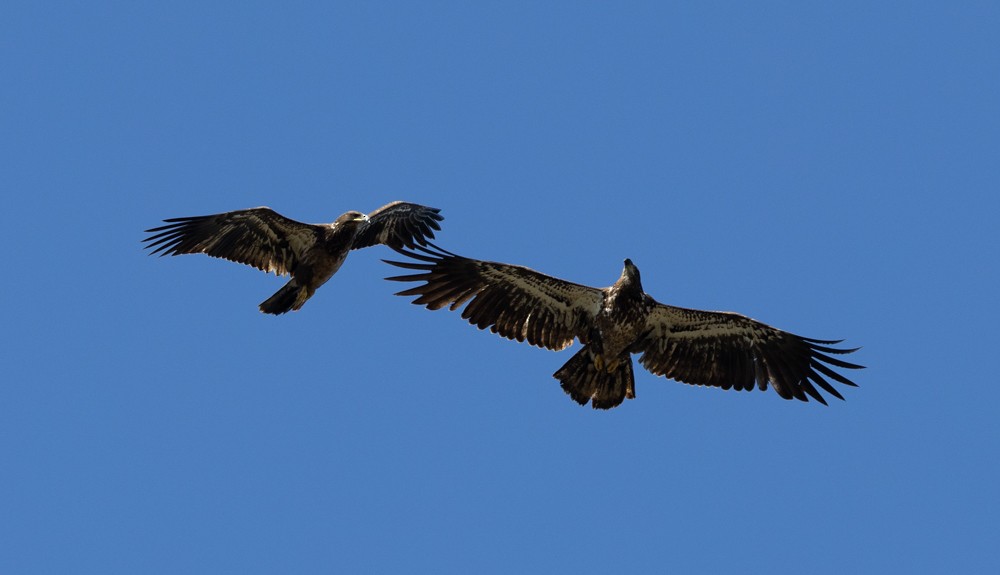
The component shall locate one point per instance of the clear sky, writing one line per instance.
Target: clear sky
(830, 169)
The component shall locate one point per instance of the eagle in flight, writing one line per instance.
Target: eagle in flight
(719, 349)
(310, 253)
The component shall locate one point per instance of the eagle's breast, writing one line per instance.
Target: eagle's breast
(329, 252)
(621, 320)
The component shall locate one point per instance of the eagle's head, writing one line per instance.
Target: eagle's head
(350, 217)
(630, 276)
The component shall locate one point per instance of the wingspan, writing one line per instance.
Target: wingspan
(732, 351)
(513, 301)
(258, 237)
(399, 224)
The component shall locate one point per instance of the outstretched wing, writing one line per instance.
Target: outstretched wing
(399, 224)
(258, 237)
(513, 301)
(732, 351)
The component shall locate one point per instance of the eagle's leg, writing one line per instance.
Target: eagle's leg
(304, 294)
(605, 365)
(612, 366)
(596, 350)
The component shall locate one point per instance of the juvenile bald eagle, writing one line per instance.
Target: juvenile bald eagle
(720, 349)
(310, 253)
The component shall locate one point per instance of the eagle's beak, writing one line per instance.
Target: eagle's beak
(361, 218)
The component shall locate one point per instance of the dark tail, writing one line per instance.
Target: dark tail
(583, 382)
(290, 297)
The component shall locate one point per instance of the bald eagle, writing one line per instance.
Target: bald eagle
(310, 253)
(719, 349)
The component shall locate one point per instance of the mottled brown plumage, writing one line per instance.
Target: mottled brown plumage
(719, 349)
(310, 253)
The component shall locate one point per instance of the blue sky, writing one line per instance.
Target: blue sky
(831, 169)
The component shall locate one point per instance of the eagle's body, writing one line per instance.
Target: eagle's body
(602, 370)
(718, 349)
(622, 315)
(323, 255)
(310, 253)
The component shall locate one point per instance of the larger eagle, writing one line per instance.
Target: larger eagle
(310, 253)
(720, 349)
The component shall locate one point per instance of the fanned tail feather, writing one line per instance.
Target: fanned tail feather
(580, 378)
(288, 298)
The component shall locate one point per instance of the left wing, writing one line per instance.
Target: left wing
(399, 224)
(258, 237)
(732, 351)
(513, 301)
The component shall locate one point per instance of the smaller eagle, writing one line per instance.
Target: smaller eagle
(719, 349)
(310, 253)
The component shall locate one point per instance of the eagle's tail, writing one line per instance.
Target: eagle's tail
(288, 298)
(604, 388)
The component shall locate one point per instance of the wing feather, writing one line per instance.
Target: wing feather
(399, 224)
(732, 351)
(512, 301)
(258, 237)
